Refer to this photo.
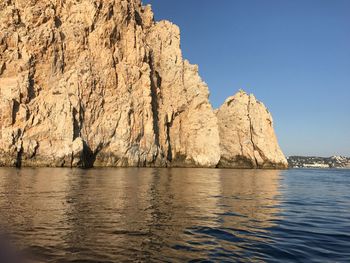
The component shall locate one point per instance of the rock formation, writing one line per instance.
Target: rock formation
(248, 138)
(100, 83)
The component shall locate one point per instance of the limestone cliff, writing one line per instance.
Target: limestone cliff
(100, 83)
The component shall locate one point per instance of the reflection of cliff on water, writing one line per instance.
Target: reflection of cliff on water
(32, 204)
(251, 195)
(145, 214)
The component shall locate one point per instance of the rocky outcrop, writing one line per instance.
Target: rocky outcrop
(100, 83)
(247, 136)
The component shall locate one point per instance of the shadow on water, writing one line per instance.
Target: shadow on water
(143, 214)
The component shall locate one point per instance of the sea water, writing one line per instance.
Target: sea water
(177, 215)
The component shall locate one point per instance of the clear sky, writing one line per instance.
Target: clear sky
(294, 55)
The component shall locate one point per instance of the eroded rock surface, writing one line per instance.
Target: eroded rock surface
(247, 136)
(100, 83)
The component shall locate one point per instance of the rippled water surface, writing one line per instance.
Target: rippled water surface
(177, 215)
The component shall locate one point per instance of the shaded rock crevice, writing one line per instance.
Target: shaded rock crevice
(251, 130)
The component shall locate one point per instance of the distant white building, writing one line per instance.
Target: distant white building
(315, 165)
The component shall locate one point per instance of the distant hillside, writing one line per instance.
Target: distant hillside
(318, 162)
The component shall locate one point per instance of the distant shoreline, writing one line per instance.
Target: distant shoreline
(311, 162)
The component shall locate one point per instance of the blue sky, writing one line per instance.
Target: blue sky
(294, 55)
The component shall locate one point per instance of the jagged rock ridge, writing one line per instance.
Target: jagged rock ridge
(100, 83)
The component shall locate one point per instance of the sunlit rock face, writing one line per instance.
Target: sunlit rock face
(247, 136)
(100, 83)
